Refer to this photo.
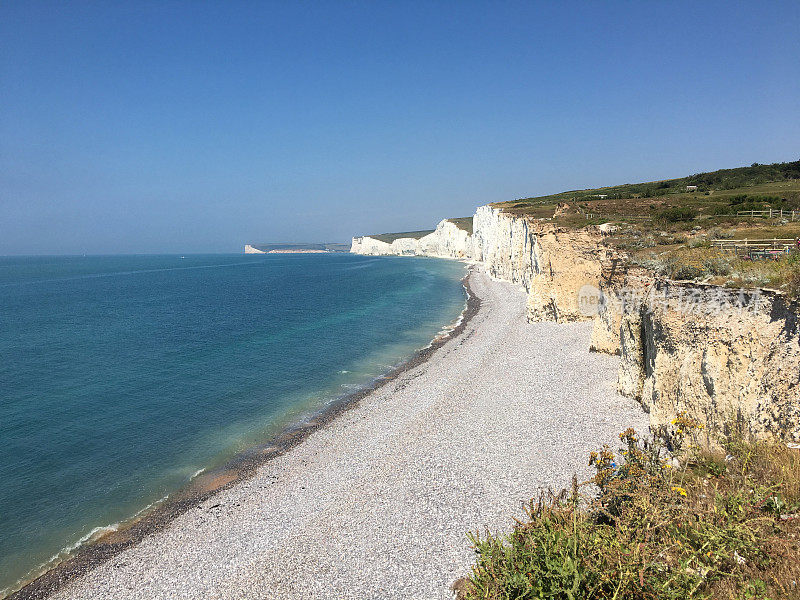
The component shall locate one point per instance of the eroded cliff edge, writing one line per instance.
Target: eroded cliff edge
(721, 356)
(726, 357)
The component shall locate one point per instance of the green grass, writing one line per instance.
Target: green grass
(671, 204)
(717, 206)
(703, 524)
(718, 186)
(661, 222)
(464, 223)
(390, 237)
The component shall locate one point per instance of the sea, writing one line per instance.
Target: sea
(123, 377)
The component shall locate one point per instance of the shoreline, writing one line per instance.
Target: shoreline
(206, 484)
(378, 502)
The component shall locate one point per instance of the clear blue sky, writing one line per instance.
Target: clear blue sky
(199, 126)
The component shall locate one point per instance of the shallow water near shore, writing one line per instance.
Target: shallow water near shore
(124, 376)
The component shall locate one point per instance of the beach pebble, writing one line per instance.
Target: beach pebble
(377, 504)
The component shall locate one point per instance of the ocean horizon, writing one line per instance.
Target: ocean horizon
(127, 375)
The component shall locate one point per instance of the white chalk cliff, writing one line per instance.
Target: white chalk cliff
(446, 241)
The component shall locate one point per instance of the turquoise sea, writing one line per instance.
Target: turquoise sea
(122, 377)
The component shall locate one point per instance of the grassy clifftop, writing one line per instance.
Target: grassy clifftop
(390, 237)
(463, 223)
(777, 184)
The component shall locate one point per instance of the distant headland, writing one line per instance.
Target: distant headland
(295, 248)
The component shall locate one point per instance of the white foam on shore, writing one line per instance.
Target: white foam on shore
(60, 556)
(68, 551)
(447, 330)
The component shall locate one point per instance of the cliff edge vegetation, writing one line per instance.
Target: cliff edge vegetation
(651, 525)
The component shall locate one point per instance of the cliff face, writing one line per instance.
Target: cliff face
(447, 241)
(373, 247)
(718, 356)
(553, 263)
(568, 267)
(721, 356)
(504, 244)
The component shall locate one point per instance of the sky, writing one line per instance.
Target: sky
(179, 127)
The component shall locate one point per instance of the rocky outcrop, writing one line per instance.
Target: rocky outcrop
(721, 356)
(620, 283)
(248, 249)
(568, 268)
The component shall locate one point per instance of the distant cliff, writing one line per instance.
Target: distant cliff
(451, 239)
(294, 248)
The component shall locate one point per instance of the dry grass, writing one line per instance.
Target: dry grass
(699, 525)
(463, 223)
(711, 265)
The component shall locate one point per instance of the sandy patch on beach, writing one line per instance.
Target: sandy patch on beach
(377, 503)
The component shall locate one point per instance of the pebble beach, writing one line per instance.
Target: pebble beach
(377, 503)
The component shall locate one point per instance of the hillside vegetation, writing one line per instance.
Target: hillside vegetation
(390, 237)
(737, 228)
(775, 182)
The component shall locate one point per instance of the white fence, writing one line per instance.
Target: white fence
(761, 248)
(792, 215)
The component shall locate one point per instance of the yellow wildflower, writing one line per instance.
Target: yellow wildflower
(679, 489)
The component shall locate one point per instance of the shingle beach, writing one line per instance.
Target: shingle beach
(377, 503)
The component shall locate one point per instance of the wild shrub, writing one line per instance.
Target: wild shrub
(675, 215)
(691, 524)
(699, 241)
(792, 279)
